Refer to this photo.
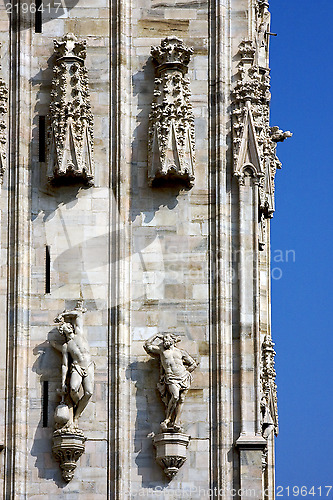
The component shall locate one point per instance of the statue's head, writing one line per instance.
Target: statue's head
(169, 339)
(79, 306)
(66, 329)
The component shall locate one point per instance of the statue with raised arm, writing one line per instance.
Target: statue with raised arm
(175, 378)
(77, 370)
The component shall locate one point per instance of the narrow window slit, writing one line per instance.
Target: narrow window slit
(42, 138)
(47, 270)
(39, 16)
(45, 402)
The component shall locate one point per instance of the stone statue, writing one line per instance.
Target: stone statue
(77, 386)
(175, 378)
(77, 369)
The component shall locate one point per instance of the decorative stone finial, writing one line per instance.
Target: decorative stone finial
(171, 155)
(254, 141)
(71, 120)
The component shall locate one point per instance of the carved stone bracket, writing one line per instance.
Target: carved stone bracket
(71, 121)
(171, 154)
(67, 448)
(254, 141)
(171, 451)
(3, 127)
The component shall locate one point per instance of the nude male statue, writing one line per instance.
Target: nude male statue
(175, 379)
(77, 365)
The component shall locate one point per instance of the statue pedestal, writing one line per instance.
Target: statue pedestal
(171, 451)
(67, 448)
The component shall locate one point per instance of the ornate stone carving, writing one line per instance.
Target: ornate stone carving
(254, 141)
(269, 411)
(77, 385)
(171, 451)
(269, 394)
(171, 154)
(71, 121)
(264, 459)
(3, 126)
(67, 448)
(176, 366)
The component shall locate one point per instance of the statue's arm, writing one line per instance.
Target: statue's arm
(76, 318)
(152, 348)
(64, 368)
(59, 318)
(71, 314)
(190, 363)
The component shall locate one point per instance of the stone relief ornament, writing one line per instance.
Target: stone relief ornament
(70, 134)
(269, 409)
(268, 404)
(254, 141)
(176, 366)
(3, 126)
(77, 386)
(171, 136)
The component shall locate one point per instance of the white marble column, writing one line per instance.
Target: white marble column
(250, 442)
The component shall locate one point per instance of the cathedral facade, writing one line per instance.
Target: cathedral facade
(137, 165)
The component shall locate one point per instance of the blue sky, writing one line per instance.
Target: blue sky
(302, 74)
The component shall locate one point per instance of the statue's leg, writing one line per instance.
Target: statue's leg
(174, 396)
(179, 406)
(74, 386)
(88, 389)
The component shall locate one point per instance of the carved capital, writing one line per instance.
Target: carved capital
(171, 154)
(172, 54)
(70, 134)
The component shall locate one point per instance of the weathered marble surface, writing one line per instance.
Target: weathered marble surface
(144, 260)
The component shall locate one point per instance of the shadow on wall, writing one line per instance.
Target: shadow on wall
(48, 367)
(149, 413)
(55, 195)
(144, 199)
